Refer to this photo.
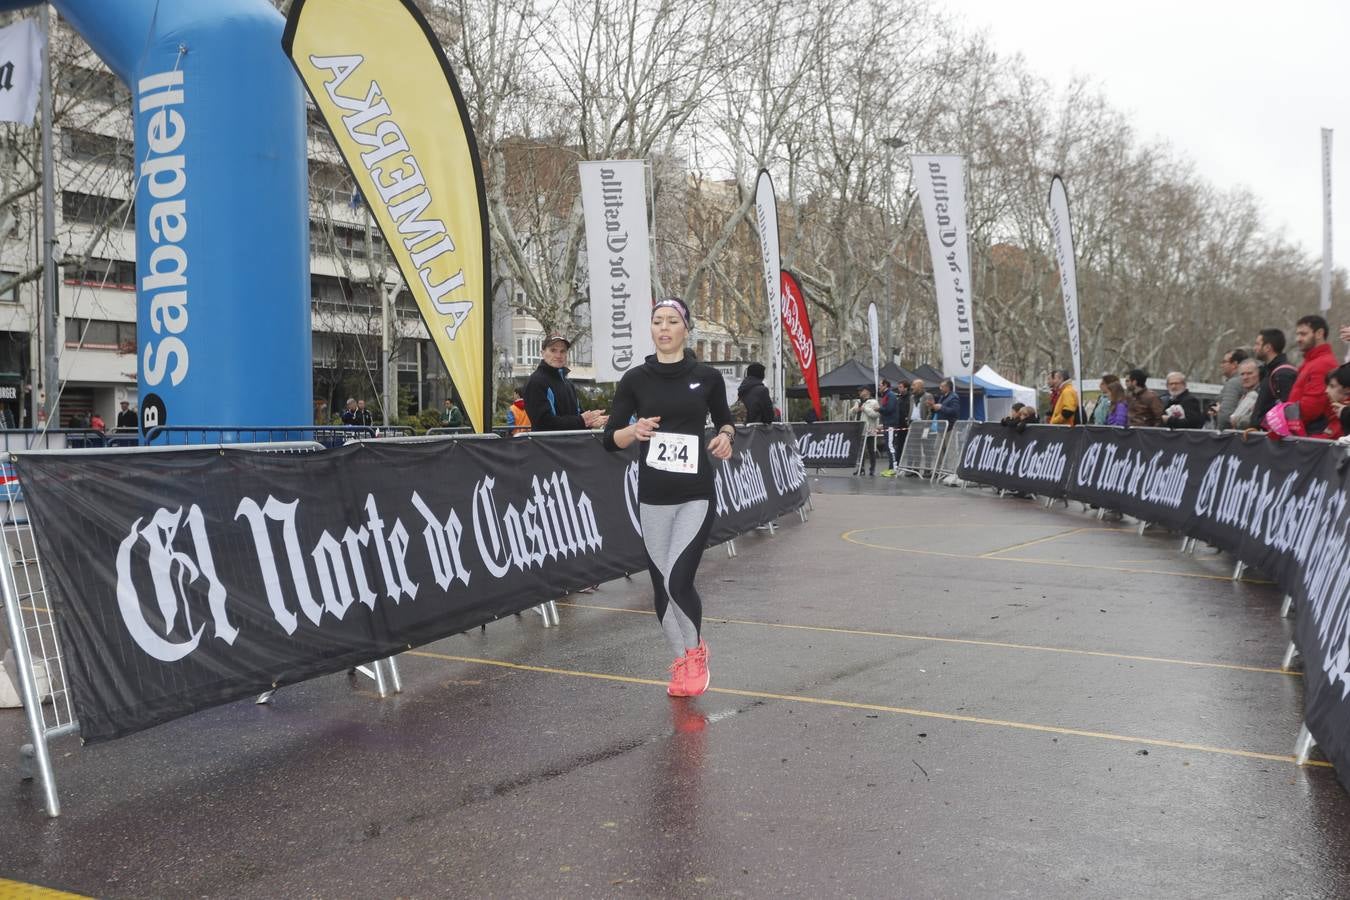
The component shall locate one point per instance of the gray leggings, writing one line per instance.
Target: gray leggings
(675, 536)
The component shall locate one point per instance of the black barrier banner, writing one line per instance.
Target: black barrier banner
(186, 579)
(828, 445)
(1029, 460)
(1280, 507)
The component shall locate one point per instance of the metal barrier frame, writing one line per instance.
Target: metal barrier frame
(26, 632)
(923, 447)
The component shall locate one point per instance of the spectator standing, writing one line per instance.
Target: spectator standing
(96, 422)
(1146, 408)
(1181, 408)
(947, 406)
(363, 416)
(1101, 410)
(349, 412)
(895, 421)
(1309, 392)
(1277, 375)
(1232, 389)
(869, 411)
(516, 415)
(126, 417)
(918, 401)
(1118, 412)
(451, 417)
(1338, 392)
(551, 398)
(1249, 373)
(1063, 399)
(753, 393)
(810, 418)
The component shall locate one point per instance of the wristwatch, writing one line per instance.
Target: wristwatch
(730, 434)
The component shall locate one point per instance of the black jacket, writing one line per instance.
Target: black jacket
(1277, 382)
(758, 403)
(1193, 414)
(551, 401)
(894, 409)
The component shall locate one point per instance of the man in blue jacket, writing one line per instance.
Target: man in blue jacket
(947, 406)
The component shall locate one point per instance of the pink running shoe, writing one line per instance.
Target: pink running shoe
(696, 670)
(679, 677)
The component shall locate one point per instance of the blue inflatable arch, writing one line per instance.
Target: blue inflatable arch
(222, 216)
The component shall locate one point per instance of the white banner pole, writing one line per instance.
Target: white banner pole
(619, 262)
(1326, 220)
(1061, 230)
(766, 217)
(940, 181)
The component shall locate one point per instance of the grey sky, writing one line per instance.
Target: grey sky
(1241, 88)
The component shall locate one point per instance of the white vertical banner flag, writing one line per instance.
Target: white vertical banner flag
(766, 217)
(1061, 229)
(1326, 219)
(20, 71)
(941, 183)
(618, 258)
(874, 333)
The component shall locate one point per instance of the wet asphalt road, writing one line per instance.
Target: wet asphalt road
(921, 692)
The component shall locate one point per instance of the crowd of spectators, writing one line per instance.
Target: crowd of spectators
(1261, 389)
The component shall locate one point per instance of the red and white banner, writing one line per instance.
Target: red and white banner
(1061, 229)
(797, 324)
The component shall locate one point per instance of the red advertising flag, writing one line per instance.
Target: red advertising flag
(797, 327)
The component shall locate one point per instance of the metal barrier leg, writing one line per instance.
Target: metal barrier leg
(1287, 606)
(543, 614)
(395, 678)
(1238, 568)
(553, 611)
(1303, 746)
(1142, 525)
(731, 549)
(801, 513)
(380, 685)
(32, 701)
(1290, 652)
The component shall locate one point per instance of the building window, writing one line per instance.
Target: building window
(11, 295)
(96, 271)
(93, 84)
(101, 334)
(86, 146)
(520, 350)
(93, 209)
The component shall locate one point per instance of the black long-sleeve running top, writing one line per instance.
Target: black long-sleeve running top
(683, 394)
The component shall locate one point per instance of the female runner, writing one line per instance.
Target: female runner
(671, 395)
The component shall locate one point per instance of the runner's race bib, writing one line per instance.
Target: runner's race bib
(676, 453)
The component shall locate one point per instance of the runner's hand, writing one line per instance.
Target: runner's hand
(643, 428)
(720, 446)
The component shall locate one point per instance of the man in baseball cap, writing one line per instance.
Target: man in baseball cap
(551, 399)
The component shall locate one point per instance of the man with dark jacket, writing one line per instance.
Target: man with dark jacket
(1145, 409)
(1181, 409)
(755, 396)
(894, 421)
(1277, 375)
(947, 406)
(1310, 386)
(551, 399)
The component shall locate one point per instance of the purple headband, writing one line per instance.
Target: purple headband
(676, 304)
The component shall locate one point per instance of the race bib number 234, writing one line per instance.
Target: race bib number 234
(676, 453)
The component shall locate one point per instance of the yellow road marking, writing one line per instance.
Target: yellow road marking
(896, 635)
(849, 536)
(1054, 537)
(17, 890)
(877, 707)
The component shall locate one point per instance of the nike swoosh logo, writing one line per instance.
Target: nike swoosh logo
(694, 385)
